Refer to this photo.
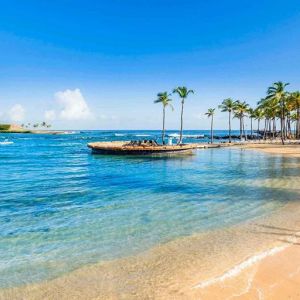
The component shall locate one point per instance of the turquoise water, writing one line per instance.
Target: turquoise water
(62, 207)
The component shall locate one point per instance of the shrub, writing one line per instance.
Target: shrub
(4, 126)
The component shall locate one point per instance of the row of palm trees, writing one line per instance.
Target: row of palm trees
(278, 104)
(36, 125)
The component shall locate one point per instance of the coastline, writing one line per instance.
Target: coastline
(290, 150)
(193, 267)
(33, 131)
(174, 270)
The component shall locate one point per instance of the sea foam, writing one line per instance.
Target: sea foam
(242, 266)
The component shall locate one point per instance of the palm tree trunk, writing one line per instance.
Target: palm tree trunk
(251, 127)
(298, 123)
(241, 129)
(282, 130)
(258, 134)
(181, 122)
(245, 135)
(282, 123)
(163, 131)
(229, 126)
(211, 129)
(288, 125)
(265, 130)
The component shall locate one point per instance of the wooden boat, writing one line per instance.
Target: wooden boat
(125, 148)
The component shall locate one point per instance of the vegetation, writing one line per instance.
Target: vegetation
(228, 105)
(4, 126)
(164, 99)
(36, 125)
(183, 93)
(240, 112)
(279, 106)
(210, 114)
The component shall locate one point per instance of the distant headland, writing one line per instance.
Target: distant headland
(14, 128)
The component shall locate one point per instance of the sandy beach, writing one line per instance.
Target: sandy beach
(254, 260)
(291, 150)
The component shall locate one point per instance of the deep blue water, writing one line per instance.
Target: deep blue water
(62, 207)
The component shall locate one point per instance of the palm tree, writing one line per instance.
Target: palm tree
(182, 92)
(259, 115)
(240, 111)
(295, 97)
(164, 99)
(228, 106)
(210, 114)
(270, 110)
(251, 113)
(277, 93)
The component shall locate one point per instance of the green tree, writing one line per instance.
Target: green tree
(210, 114)
(277, 93)
(240, 111)
(251, 113)
(259, 115)
(228, 106)
(183, 93)
(295, 98)
(164, 99)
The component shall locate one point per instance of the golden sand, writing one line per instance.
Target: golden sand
(177, 270)
(286, 150)
(255, 260)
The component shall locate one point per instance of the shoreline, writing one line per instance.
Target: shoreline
(54, 132)
(196, 266)
(185, 268)
(290, 150)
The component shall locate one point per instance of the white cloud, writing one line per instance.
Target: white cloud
(74, 106)
(50, 115)
(17, 113)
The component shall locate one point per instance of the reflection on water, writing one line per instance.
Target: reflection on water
(62, 207)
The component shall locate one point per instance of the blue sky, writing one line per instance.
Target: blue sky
(99, 64)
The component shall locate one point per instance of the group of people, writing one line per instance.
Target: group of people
(143, 143)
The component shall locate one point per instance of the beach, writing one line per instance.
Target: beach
(252, 257)
(291, 150)
(257, 260)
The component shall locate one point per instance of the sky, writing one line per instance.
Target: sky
(99, 64)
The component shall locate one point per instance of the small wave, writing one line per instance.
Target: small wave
(242, 266)
(177, 135)
(197, 136)
(143, 135)
(120, 134)
(6, 143)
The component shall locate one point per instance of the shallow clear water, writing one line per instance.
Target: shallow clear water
(62, 207)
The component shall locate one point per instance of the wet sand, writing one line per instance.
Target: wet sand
(259, 259)
(195, 267)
